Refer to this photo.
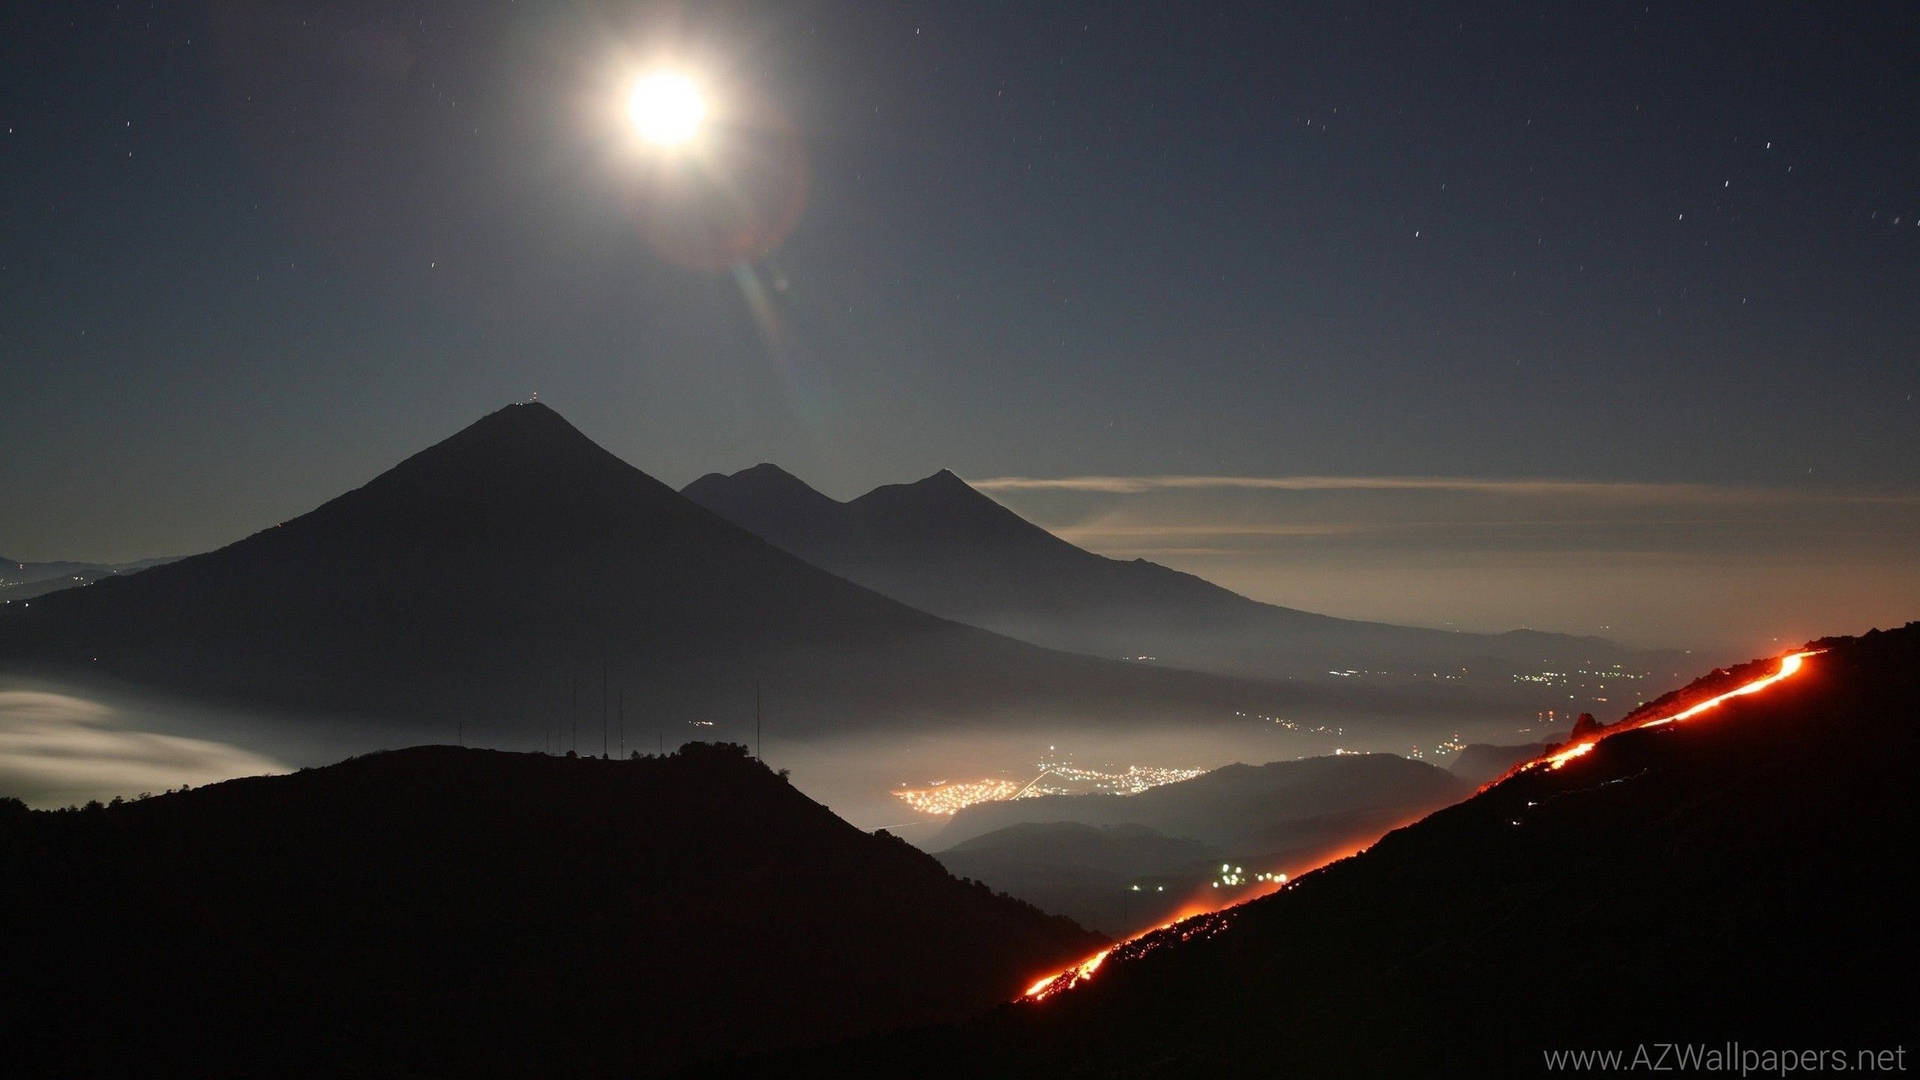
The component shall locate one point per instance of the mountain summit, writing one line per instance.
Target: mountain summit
(764, 489)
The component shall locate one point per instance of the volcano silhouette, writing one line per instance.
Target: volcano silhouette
(507, 571)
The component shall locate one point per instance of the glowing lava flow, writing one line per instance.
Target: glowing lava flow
(1068, 978)
(1044, 986)
(1788, 665)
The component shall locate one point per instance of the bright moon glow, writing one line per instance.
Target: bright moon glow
(666, 109)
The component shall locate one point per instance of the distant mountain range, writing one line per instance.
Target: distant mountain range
(507, 574)
(21, 580)
(1735, 884)
(941, 546)
(449, 912)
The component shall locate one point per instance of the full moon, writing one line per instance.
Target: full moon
(666, 108)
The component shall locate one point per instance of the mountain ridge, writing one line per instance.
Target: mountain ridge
(942, 546)
(466, 912)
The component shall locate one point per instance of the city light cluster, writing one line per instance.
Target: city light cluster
(1232, 876)
(1442, 749)
(951, 798)
(1056, 778)
(1598, 687)
(1060, 778)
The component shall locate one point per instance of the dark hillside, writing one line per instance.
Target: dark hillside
(440, 911)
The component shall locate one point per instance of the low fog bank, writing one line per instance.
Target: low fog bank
(64, 742)
(60, 750)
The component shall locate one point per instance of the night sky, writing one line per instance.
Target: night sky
(1665, 256)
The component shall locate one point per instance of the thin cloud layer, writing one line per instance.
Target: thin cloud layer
(1591, 489)
(1670, 564)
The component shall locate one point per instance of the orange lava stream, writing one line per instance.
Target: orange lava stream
(1070, 977)
(1788, 665)
(1078, 973)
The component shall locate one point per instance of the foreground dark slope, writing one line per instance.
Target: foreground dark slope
(441, 911)
(941, 546)
(1741, 876)
(490, 576)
